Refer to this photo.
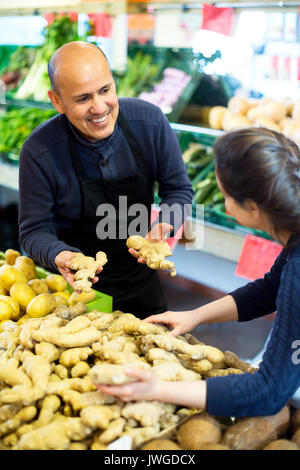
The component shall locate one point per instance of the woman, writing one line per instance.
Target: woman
(258, 172)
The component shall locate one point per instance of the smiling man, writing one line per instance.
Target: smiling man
(98, 149)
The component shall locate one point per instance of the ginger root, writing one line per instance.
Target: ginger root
(154, 252)
(113, 374)
(86, 267)
(54, 436)
(146, 413)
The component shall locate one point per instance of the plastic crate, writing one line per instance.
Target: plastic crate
(102, 302)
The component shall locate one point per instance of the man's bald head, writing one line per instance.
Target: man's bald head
(70, 55)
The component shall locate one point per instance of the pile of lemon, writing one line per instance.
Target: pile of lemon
(23, 295)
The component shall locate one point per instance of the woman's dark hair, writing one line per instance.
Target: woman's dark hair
(263, 166)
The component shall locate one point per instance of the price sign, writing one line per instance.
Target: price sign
(257, 257)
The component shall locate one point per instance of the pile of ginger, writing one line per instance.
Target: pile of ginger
(49, 367)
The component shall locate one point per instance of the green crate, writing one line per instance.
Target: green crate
(102, 302)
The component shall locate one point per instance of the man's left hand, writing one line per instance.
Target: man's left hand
(158, 233)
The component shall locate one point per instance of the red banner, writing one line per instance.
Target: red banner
(219, 20)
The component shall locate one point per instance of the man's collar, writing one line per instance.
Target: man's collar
(88, 143)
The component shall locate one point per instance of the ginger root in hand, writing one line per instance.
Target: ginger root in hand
(86, 268)
(153, 252)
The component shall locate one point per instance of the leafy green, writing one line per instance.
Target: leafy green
(36, 83)
(16, 125)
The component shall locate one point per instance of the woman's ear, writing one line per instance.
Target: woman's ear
(56, 102)
(253, 209)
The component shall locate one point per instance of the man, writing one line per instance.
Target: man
(97, 149)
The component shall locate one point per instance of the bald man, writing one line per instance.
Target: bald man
(77, 168)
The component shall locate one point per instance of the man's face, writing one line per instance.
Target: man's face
(86, 94)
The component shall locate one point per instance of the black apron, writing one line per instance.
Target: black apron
(135, 288)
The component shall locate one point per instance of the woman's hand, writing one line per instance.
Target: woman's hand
(150, 387)
(147, 387)
(158, 233)
(63, 263)
(181, 322)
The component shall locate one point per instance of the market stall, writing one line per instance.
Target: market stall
(56, 344)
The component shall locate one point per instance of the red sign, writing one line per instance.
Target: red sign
(219, 20)
(257, 257)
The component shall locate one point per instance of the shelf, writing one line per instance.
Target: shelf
(32, 6)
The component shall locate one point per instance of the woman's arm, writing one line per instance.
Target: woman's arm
(150, 387)
(220, 310)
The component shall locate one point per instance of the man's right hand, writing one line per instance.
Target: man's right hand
(63, 263)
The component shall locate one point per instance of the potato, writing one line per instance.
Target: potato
(39, 286)
(199, 430)
(295, 420)
(213, 447)
(11, 255)
(56, 282)
(22, 293)
(41, 305)
(23, 319)
(256, 433)
(14, 305)
(9, 275)
(60, 299)
(63, 294)
(2, 289)
(6, 311)
(27, 266)
(281, 444)
(263, 121)
(238, 105)
(296, 438)
(161, 444)
(84, 297)
(215, 117)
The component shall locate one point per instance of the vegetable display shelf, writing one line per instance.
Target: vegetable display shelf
(102, 302)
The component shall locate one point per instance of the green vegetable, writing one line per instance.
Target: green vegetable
(140, 74)
(36, 83)
(16, 125)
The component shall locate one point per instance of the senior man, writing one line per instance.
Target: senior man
(79, 163)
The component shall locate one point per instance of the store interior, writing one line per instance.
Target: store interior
(132, 35)
(192, 62)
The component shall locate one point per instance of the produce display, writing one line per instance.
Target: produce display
(282, 116)
(205, 432)
(16, 125)
(53, 351)
(167, 92)
(199, 161)
(17, 67)
(23, 295)
(140, 74)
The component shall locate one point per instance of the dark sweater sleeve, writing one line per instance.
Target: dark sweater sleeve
(258, 298)
(37, 230)
(269, 389)
(175, 188)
